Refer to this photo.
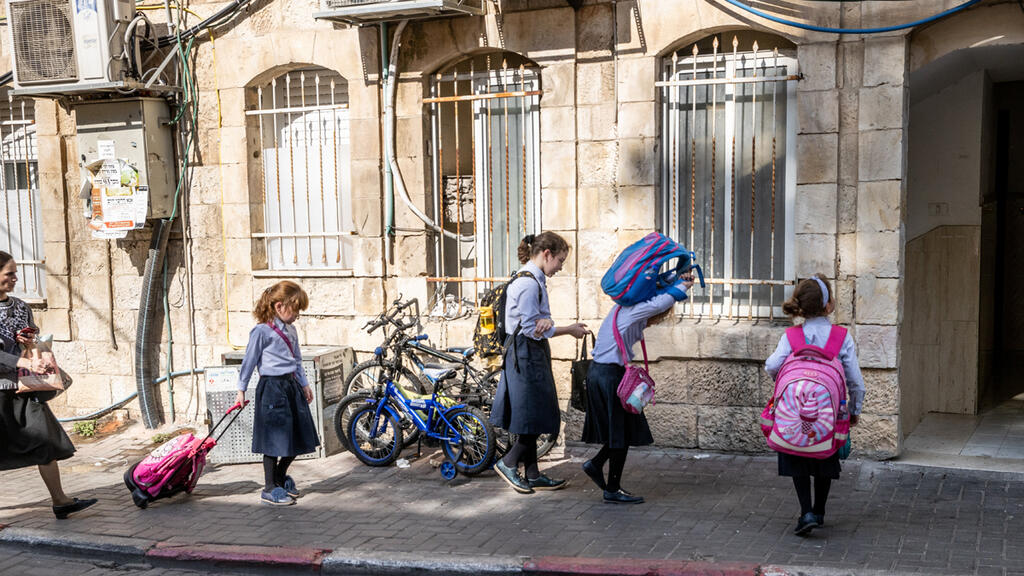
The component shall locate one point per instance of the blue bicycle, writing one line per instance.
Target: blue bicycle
(374, 428)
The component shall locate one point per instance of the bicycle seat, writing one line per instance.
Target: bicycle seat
(465, 351)
(436, 373)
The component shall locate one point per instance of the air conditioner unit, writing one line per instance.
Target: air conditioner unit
(68, 44)
(362, 12)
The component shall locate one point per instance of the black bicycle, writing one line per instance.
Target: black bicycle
(470, 385)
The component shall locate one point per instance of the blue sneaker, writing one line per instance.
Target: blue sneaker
(289, 487)
(277, 497)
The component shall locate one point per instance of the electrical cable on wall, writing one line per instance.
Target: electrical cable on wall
(880, 30)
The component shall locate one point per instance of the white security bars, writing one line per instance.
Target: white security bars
(304, 156)
(728, 172)
(21, 223)
(485, 124)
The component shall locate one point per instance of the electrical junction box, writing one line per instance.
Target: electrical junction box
(326, 368)
(136, 132)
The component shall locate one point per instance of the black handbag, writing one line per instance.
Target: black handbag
(579, 369)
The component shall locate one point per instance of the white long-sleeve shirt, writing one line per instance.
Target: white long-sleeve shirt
(816, 331)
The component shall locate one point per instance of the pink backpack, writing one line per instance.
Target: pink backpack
(175, 466)
(802, 416)
(636, 390)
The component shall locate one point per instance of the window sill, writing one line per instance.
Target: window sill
(302, 273)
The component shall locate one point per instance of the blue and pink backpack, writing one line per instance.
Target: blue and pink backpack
(803, 417)
(636, 275)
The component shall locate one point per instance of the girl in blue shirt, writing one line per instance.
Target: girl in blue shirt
(526, 402)
(607, 422)
(283, 425)
(813, 301)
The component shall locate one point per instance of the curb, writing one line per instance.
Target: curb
(358, 563)
(560, 566)
(238, 555)
(353, 562)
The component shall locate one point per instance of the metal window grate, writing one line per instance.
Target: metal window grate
(728, 173)
(485, 122)
(302, 119)
(20, 218)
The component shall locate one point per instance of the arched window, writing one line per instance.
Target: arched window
(485, 155)
(302, 119)
(728, 126)
(21, 232)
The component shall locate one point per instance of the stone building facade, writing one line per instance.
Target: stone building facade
(600, 146)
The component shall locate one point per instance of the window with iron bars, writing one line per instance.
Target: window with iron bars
(21, 234)
(485, 168)
(728, 175)
(301, 118)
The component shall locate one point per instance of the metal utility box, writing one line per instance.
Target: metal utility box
(135, 130)
(326, 368)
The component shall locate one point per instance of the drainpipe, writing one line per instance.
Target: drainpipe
(389, 185)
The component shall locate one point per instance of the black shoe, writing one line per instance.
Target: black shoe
(512, 477)
(622, 497)
(543, 482)
(595, 474)
(821, 520)
(61, 512)
(805, 524)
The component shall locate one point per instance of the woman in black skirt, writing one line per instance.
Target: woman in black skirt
(31, 435)
(526, 402)
(607, 422)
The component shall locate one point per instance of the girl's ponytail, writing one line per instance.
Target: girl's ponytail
(532, 245)
(807, 300)
(286, 291)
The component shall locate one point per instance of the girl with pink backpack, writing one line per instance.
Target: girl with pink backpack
(608, 422)
(812, 399)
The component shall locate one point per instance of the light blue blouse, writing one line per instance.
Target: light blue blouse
(632, 321)
(269, 353)
(522, 307)
(816, 331)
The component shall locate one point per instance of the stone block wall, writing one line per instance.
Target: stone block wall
(599, 170)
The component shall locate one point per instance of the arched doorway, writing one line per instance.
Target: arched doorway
(963, 331)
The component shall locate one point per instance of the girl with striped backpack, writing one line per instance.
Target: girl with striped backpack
(819, 393)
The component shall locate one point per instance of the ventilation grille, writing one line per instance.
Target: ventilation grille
(44, 41)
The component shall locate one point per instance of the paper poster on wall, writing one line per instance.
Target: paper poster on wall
(105, 149)
(117, 200)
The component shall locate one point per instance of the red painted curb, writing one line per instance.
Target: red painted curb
(552, 565)
(240, 554)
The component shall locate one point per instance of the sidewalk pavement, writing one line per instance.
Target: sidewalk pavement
(705, 514)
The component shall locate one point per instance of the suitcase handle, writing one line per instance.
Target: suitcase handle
(237, 406)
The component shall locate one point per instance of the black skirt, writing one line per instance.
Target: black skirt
(792, 465)
(526, 401)
(607, 422)
(29, 433)
(282, 424)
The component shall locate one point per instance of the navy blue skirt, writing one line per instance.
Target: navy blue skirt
(283, 424)
(526, 401)
(793, 465)
(607, 422)
(29, 433)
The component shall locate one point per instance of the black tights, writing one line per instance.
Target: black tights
(803, 493)
(616, 458)
(524, 451)
(274, 471)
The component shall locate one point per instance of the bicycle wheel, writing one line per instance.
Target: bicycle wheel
(370, 373)
(344, 410)
(382, 449)
(505, 440)
(476, 451)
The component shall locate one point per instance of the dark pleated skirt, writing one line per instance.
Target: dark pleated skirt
(526, 401)
(282, 424)
(792, 465)
(606, 421)
(29, 433)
